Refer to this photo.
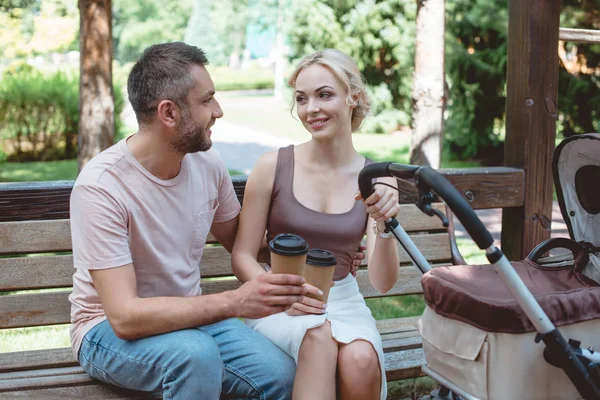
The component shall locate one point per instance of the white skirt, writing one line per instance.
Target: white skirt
(346, 311)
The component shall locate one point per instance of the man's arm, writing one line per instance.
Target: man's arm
(225, 232)
(132, 317)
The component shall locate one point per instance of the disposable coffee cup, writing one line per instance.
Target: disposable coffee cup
(288, 254)
(319, 269)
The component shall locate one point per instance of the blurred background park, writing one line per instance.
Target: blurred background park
(252, 46)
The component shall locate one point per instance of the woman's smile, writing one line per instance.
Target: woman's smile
(317, 123)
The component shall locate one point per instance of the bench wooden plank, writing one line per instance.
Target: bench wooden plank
(35, 309)
(404, 365)
(37, 359)
(394, 325)
(35, 373)
(44, 272)
(44, 381)
(55, 235)
(34, 237)
(30, 364)
(398, 364)
(493, 187)
(39, 272)
(91, 390)
(38, 309)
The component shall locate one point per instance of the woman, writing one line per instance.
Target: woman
(312, 190)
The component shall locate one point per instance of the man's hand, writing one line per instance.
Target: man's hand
(268, 294)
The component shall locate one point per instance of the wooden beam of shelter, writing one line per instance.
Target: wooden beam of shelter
(579, 35)
(531, 113)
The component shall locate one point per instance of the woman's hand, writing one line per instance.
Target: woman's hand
(382, 204)
(357, 259)
(308, 305)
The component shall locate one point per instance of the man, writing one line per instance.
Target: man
(140, 214)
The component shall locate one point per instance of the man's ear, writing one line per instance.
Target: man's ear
(168, 113)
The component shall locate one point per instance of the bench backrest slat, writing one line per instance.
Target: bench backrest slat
(37, 309)
(35, 237)
(55, 235)
(56, 271)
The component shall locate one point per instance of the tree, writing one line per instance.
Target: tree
(428, 85)
(476, 64)
(219, 28)
(96, 101)
(137, 24)
(379, 35)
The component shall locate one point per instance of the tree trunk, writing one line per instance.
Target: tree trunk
(96, 103)
(428, 86)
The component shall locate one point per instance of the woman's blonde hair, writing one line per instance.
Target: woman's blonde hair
(346, 70)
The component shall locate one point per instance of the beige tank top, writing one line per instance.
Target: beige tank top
(338, 233)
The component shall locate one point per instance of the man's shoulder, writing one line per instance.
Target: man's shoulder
(95, 169)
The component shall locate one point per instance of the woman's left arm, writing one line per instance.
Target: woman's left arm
(382, 253)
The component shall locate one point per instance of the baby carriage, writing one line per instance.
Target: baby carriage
(482, 325)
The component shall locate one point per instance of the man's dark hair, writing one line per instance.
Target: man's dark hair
(162, 73)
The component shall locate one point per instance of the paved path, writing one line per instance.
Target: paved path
(240, 147)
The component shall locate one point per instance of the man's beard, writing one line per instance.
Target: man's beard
(191, 136)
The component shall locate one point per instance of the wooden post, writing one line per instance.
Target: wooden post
(531, 112)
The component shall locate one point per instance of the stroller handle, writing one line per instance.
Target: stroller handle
(428, 179)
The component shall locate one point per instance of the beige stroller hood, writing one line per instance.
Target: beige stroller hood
(576, 167)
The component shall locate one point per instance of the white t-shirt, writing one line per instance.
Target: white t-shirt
(121, 214)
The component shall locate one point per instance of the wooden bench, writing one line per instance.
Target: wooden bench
(34, 221)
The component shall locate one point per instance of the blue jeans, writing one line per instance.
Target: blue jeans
(224, 360)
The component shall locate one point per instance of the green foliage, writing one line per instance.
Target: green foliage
(579, 92)
(226, 78)
(476, 57)
(379, 35)
(39, 114)
(138, 24)
(476, 67)
(36, 112)
(384, 117)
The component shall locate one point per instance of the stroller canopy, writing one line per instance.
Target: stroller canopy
(576, 167)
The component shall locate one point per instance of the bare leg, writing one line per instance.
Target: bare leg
(317, 361)
(359, 372)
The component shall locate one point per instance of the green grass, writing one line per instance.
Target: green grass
(38, 171)
(47, 171)
(226, 78)
(47, 337)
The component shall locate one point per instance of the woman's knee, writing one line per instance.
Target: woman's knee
(320, 335)
(358, 358)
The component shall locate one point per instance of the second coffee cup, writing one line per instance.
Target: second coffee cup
(319, 270)
(288, 254)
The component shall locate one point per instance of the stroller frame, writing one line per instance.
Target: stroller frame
(581, 366)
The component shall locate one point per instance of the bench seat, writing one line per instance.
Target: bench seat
(36, 266)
